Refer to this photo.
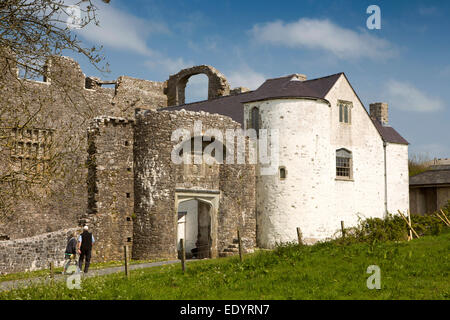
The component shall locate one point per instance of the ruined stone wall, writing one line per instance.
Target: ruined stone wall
(34, 253)
(110, 187)
(158, 180)
(176, 85)
(238, 197)
(65, 105)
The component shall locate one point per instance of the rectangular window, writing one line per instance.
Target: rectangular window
(342, 167)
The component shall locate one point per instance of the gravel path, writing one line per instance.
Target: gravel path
(14, 284)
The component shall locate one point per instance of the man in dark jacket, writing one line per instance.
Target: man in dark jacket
(85, 241)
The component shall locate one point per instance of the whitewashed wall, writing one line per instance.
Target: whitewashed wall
(397, 177)
(311, 197)
(283, 205)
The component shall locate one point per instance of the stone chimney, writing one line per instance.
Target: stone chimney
(379, 111)
(298, 77)
(238, 90)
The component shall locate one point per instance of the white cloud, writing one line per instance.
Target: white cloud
(405, 96)
(166, 64)
(245, 77)
(323, 35)
(121, 30)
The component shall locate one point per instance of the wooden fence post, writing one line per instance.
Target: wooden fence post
(410, 236)
(125, 251)
(52, 275)
(342, 229)
(240, 245)
(183, 255)
(299, 236)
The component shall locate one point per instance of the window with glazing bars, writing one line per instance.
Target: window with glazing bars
(343, 163)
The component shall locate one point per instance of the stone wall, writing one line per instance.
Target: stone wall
(176, 85)
(159, 184)
(110, 187)
(34, 253)
(65, 103)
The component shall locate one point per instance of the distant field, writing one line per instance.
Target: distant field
(409, 270)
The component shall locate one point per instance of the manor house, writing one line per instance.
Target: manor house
(335, 161)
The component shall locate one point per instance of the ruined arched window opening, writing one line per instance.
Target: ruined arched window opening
(190, 145)
(196, 88)
(344, 164)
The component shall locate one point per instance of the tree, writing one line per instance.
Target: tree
(32, 33)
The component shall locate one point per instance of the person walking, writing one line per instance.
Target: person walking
(71, 251)
(85, 242)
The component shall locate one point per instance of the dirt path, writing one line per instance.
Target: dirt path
(14, 284)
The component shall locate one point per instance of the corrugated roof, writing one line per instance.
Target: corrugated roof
(388, 133)
(438, 175)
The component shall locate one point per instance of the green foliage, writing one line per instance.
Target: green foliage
(392, 228)
(417, 269)
(417, 164)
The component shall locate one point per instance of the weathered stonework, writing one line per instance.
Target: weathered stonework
(110, 186)
(34, 253)
(136, 195)
(159, 183)
(217, 85)
(68, 101)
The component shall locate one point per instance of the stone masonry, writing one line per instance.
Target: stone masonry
(34, 253)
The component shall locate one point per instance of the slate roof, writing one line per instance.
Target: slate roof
(438, 175)
(283, 87)
(388, 133)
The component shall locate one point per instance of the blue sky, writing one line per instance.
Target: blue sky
(406, 63)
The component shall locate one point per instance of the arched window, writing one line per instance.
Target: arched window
(255, 120)
(343, 164)
(345, 109)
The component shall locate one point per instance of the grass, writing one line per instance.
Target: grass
(418, 269)
(46, 272)
(417, 164)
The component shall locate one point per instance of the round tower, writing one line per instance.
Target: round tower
(297, 193)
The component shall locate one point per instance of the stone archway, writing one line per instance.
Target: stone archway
(176, 85)
(206, 220)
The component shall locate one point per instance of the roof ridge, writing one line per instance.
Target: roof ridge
(293, 74)
(212, 99)
(331, 75)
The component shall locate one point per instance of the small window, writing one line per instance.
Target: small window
(343, 164)
(255, 120)
(345, 109)
(282, 173)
